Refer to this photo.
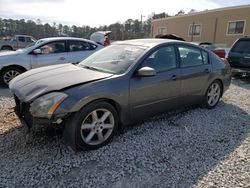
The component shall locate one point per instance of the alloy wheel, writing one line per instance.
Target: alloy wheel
(97, 126)
(213, 94)
(9, 75)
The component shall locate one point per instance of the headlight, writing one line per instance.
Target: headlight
(46, 105)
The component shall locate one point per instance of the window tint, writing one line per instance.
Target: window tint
(75, 46)
(190, 56)
(162, 59)
(21, 39)
(242, 47)
(53, 47)
(205, 57)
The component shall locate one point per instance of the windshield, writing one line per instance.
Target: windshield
(30, 46)
(114, 59)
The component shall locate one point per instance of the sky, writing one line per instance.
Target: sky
(96, 13)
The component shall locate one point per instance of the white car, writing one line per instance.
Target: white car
(47, 51)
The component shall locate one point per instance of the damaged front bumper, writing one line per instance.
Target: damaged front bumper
(22, 110)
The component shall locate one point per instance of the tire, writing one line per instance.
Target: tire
(6, 48)
(90, 131)
(8, 74)
(213, 95)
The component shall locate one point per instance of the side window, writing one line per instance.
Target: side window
(205, 57)
(92, 46)
(75, 46)
(28, 39)
(162, 59)
(21, 39)
(53, 47)
(190, 56)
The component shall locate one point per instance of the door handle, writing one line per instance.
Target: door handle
(247, 57)
(206, 70)
(61, 58)
(174, 77)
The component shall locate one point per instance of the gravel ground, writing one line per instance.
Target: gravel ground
(195, 148)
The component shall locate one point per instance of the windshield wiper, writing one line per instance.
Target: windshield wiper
(89, 67)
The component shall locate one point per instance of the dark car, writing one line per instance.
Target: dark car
(239, 57)
(119, 85)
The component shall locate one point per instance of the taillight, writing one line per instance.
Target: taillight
(220, 52)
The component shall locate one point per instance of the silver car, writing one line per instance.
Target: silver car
(48, 51)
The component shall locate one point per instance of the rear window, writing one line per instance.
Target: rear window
(242, 46)
(75, 46)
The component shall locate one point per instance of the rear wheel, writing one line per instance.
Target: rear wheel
(6, 48)
(8, 74)
(213, 95)
(94, 125)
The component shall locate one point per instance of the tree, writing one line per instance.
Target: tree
(130, 29)
(181, 12)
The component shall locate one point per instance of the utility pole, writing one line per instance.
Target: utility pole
(142, 24)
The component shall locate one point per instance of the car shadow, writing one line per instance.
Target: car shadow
(174, 149)
(242, 81)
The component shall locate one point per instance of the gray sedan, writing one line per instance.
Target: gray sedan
(117, 86)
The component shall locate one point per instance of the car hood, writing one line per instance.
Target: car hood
(9, 53)
(36, 82)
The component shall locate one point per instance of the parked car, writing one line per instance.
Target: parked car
(118, 85)
(17, 42)
(170, 36)
(239, 57)
(101, 37)
(220, 50)
(48, 51)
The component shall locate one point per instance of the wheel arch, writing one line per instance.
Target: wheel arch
(115, 104)
(222, 85)
(17, 66)
(8, 46)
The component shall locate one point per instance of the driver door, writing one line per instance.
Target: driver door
(52, 53)
(153, 95)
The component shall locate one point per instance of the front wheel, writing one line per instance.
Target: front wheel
(213, 95)
(94, 125)
(8, 74)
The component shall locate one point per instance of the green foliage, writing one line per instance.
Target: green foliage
(131, 29)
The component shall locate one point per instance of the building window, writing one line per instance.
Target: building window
(194, 30)
(162, 30)
(235, 27)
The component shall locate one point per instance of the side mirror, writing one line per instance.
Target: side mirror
(146, 72)
(37, 51)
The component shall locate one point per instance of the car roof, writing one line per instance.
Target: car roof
(24, 36)
(151, 42)
(245, 38)
(66, 38)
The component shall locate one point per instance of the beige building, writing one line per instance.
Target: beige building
(223, 25)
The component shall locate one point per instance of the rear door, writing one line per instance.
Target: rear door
(21, 42)
(53, 53)
(239, 55)
(152, 95)
(79, 50)
(195, 69)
